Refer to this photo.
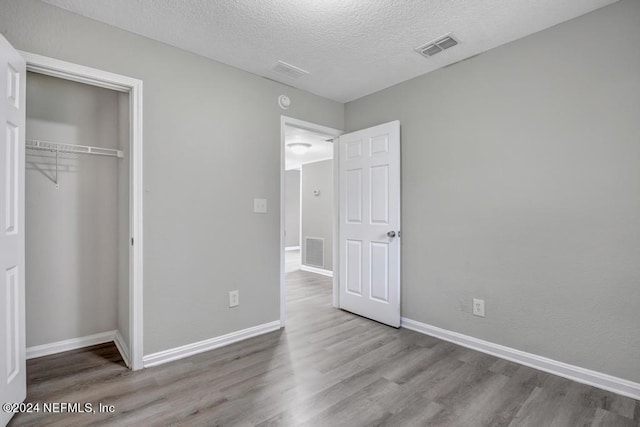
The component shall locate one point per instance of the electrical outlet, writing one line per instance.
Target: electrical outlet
(234, 298)
(478, 307)
(260, 205)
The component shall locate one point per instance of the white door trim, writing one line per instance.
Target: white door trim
(92, 76)
(331, 132)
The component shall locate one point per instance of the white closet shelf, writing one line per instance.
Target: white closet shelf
(59, 147)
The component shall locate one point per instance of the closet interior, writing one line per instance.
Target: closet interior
(77, 224)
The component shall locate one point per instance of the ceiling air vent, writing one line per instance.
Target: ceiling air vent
(436, 46)
(288, 70)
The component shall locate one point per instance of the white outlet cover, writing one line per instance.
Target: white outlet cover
(234, 298)
(260, 205)
(478, 307)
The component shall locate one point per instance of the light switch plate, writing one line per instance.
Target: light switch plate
(260, 205)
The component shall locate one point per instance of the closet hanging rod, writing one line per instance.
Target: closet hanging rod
(60, 147)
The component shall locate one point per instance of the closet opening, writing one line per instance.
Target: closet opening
(83, 231)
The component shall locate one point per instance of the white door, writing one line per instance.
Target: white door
(369, 225)
(13, 379)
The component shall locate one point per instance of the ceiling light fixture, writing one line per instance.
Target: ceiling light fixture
(299, 147)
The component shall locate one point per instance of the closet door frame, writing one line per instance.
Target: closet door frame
(92, 76)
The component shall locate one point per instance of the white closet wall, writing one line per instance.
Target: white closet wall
(72, 260)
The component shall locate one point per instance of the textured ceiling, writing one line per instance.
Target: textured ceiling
(349, 47)
(321, 149)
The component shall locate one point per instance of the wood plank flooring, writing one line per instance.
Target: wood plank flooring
(328, 368)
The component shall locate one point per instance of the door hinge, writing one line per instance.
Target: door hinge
(132, 241)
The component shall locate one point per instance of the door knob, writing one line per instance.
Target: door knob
(391, 234)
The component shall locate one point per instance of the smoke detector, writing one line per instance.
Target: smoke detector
(436, 46)
(288, 70)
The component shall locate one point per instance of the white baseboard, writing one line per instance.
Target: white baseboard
(575, 373)
(70, 344)
(316, 270)
(122, 347)
(206, 345)
(292, 248)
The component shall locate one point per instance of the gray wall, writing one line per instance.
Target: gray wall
(71, 248)
(292, 208)
(206, 125)
(317, 211)
(521, 186)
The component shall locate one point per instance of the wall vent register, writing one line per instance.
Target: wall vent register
(314, 252)
(288, 70)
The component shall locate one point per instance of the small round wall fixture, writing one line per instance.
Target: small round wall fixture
(284, 102)
(299, 147)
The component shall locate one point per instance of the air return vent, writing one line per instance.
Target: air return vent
(436, 46)
(314, 252)
(288, 70)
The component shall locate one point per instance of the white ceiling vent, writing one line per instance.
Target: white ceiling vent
(436, 46)
(288, 70)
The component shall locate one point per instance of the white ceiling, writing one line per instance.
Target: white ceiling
(351, 48)
(320, 149)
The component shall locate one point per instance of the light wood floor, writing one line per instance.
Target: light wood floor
(328, 368)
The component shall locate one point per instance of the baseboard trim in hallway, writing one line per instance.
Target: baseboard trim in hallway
(316, 270)
(572, 372)
(209, 344)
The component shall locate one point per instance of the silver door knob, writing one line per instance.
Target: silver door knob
(391, 234)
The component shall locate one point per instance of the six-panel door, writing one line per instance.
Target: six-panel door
(369, 227)
(12, 328)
